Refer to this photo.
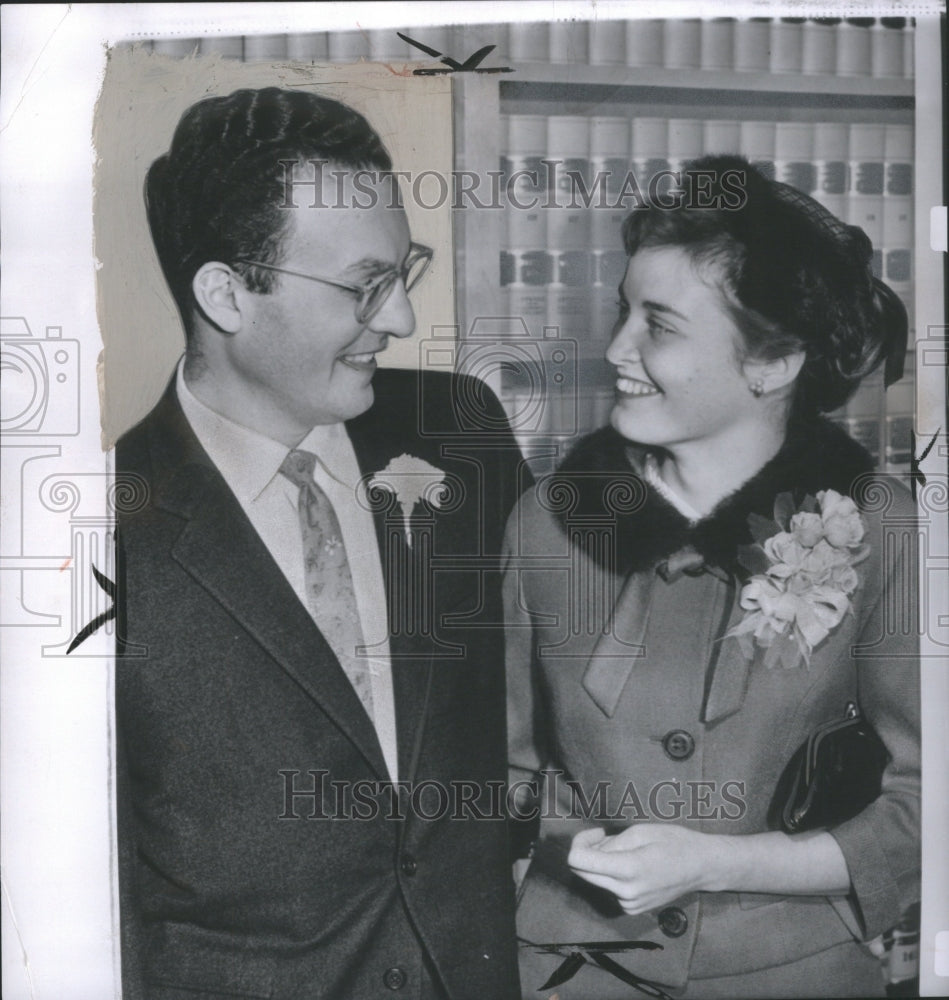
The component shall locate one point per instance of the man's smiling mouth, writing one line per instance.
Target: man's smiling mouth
(360, 362)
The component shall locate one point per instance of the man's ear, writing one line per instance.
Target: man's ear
(770, 376)
(216, 292)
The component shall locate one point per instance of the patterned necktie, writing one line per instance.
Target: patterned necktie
(329, 582)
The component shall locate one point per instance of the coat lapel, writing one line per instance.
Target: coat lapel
(405, 577)
(222, 552)
(621, 644)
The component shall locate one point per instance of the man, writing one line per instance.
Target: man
(310, 579)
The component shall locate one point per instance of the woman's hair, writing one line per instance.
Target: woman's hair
(217, 193)
(794, 277)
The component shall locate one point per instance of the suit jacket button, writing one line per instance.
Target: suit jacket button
(678, 744)
(394, 978)
(408, 865)
(673, 922)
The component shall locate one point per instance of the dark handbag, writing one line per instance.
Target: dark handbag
(832, 776)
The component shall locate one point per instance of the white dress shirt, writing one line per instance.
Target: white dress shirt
(250, 464)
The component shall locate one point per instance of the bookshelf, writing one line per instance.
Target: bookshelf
(846, 140)
(826, 104)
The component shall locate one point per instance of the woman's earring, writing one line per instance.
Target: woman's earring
(757, 388)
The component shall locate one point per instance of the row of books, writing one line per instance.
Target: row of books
(852, 47)
(882, 420)
(844, 47)
(569, 181)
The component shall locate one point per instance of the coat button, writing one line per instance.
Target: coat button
(673, 922)
(408, 865)
(678, 744)
(394, 978)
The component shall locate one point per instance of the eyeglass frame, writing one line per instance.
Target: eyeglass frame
(417, 251)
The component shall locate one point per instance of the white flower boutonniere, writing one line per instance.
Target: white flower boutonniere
(411, 479)
(803, 575)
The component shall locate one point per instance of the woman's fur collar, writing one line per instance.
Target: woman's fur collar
(597, 482)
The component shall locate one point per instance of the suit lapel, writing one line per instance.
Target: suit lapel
(376, 442)
(613, 659)
(221, 551)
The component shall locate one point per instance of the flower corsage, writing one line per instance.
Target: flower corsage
(411, 479)
(803, 574)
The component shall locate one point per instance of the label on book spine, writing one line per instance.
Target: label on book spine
(830, 162)
(867, 172)
(568, 157)
(610, 139)
(525, 181)
(793, 155)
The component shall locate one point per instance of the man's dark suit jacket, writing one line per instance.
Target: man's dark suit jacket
(228, 696)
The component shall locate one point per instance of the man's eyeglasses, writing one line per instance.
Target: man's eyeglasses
(372, 295)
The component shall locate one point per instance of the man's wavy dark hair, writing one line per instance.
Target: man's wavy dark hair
(216, 194)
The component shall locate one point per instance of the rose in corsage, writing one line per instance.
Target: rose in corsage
(803, 575)
(843, 525)
(411, 479)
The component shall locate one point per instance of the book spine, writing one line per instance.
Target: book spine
(717, 43)
(651, 156)
(900, 403)
(854, 49)
(568, 42)
(525, 182)
(609, 169)
(386, 46)
(819, 46)
(568, 153)
(350, 46)
(607, 43)
(867, 172)
(909, 49)
(721, 136)
(757, 144)
(264, 47)
(886, 47)
(794, 155)
(568, 296)
(310, 47)
(787, 45)
(644, 43)
(684, 142)
(752, 37)
(609, 267)
(180, 48)
(830, 164)
(528, 42)
(530, 272)
(898, 232)
(226, 46)
(682, 43)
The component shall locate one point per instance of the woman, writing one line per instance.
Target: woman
(691, 597)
